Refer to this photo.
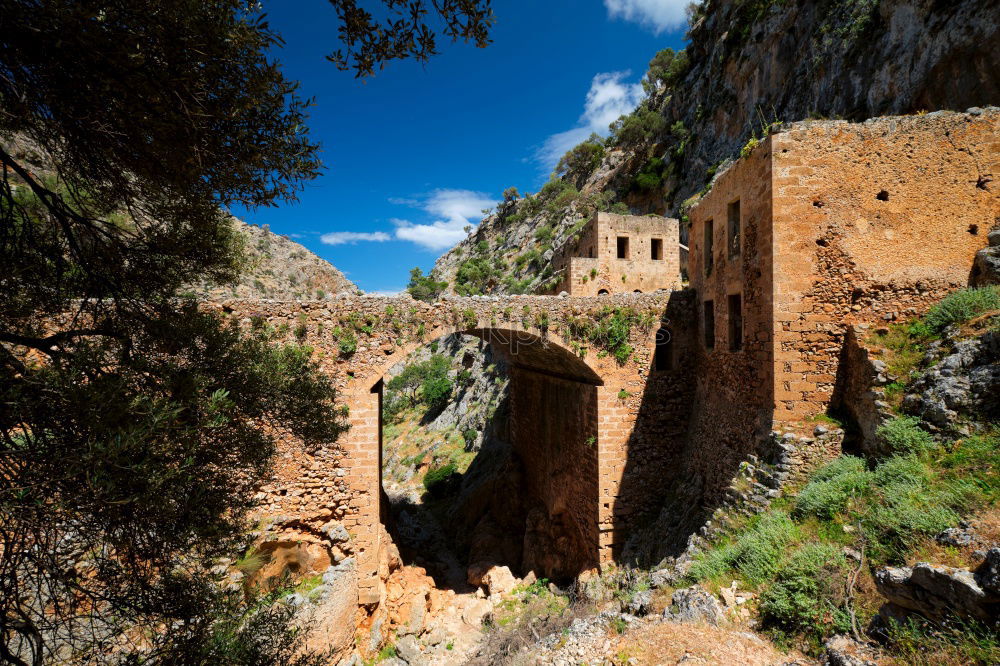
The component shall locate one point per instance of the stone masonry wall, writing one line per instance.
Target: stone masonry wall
(873, 222)
(734, 393)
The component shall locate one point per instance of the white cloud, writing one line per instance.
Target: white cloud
(352, 237)
(657, 15)
(609, 97)
(451, 210)
(458, 208)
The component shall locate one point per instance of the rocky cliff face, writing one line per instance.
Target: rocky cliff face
(750, 64)
(279, 268)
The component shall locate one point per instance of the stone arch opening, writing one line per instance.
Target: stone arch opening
(530, 498)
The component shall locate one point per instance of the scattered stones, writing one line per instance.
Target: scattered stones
(496, 579)
(955, 536)
(641, 603)
(845, 651)
(938, 591)
(988, 573)
(409, 650)
(694, 604)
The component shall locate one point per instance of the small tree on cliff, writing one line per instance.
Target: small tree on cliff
(134, 428)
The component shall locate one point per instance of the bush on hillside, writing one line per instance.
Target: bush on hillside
(443, 480)
(808, 593)
(425, 287)
(582, 160)
(756, 554)
(832, 487)
(961, 306)
(903, 435)
(641, 125)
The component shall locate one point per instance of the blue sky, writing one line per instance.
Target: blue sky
(415, 153)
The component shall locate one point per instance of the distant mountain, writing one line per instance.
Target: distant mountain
(280, 269)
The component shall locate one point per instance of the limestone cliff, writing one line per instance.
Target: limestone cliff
(749, 64)
(279, 268)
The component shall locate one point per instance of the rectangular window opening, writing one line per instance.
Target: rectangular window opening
(709, 246)
(709, 310)
(663, 357)
(734, 228)
(735, 322)
(656, 249)
(623, 247)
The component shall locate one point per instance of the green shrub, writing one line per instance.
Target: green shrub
(903, 435)
(808, 594)
(442, 480)
(977, 460)
(910, 504)
(961, 306)
(650, 176)
(832, 487)
(425, 287)
(581, 161)
(641, 125)
(436, 391)
(923, 642)
(756, 554)
(347, 344)
(544, 234)
(666, 69)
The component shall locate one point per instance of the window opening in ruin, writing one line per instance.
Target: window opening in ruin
(590, 252)
(623, 247)
(656, 249)
(735, 322)
(974, 229)
(733, 229)
(882, 196)
(602, 292)
(709, 250)
(663, 357)
(709, 310)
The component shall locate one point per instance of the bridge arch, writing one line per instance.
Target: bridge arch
(554, 425)
(560, 385)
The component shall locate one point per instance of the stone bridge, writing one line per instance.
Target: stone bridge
(590, 441)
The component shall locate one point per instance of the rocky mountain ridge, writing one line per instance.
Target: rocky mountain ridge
(279, 268)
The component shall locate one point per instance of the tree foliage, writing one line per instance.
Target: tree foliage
(666, 69)
(404, 32)
(581, 160)
(643, 124)
(425, 287)
(135, 426)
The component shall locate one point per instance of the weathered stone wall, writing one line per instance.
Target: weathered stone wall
(591, 264)
(873, 222)
(734, 391)
(554, 434)
(858, 395)
(653, 455)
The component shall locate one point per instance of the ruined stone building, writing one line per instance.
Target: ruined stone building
(615, 254)
(826, 224)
